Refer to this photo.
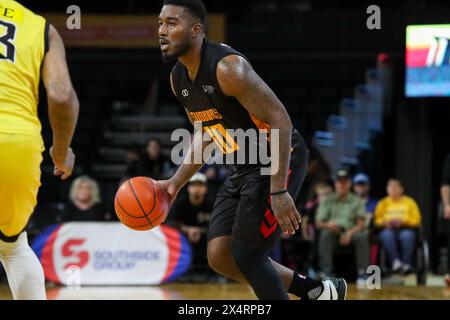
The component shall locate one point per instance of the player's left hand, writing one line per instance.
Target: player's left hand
(286, 213)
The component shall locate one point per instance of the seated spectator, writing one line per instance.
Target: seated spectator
(361, 186)
(398, 216)
(84, 201)
(191, 214)
(151, 164)
(445, 194)
(340, 219)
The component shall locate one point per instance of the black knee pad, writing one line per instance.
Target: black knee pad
(246, 257)
(256, 267)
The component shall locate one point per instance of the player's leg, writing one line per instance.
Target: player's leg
(255, 231)
(20, 181)
(219, 245)
(219, 251)
(23, 269)
(304, 287)
(253, 262)
(222, 261)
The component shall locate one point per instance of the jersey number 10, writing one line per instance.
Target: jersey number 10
(222, 139)
(8, 53)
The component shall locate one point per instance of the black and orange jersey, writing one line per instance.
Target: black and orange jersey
(205, 101)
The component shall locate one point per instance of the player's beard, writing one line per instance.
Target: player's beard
(179, 51)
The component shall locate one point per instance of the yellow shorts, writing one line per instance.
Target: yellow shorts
(20, 179)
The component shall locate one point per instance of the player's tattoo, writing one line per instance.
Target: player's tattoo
(238, 79)
(281, 202)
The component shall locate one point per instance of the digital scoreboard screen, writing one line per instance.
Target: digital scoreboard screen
(428, 61)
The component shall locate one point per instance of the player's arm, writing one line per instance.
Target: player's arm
(238, 79)
(189, 167)
(63, 105)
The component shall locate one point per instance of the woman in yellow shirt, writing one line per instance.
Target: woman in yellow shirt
(398, 215)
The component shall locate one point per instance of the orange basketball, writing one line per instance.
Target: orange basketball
(141, 204)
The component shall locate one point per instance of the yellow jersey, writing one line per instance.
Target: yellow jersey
(405, 209)
(23, 44)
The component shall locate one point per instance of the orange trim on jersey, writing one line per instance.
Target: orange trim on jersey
(260, 124)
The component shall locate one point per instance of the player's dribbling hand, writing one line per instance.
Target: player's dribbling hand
(63, 163)
(286, 213)
(170, 188)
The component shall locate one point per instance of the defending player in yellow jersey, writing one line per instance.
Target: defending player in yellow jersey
(30, 49)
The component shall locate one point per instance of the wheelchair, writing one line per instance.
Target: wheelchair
(421, 257)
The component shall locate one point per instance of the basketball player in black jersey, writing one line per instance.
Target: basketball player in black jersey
(218, 87)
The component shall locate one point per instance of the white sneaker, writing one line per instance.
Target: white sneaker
(334, 289)
(397, 265)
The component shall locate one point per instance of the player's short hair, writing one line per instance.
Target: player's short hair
(195, 7)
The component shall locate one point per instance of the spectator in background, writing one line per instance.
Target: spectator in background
(340, 219)
(132, 155)
(445, 195)
(151, 164)
(191, 214)
(84, 201)
(321, 191)
(361, 186)
(216, 172)
(398, 215)
(300, 250)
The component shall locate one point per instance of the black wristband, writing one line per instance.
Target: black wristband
(278, 192)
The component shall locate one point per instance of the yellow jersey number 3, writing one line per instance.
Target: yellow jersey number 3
(7, 35)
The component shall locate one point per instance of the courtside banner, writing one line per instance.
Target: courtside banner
(108, 253)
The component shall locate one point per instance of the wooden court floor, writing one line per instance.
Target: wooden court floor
(183, 291)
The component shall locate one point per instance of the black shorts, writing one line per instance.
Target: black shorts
(242, 207)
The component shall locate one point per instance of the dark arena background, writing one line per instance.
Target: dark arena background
(368, 89)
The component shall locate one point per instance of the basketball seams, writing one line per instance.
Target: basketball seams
(155, 204)
(154, 198)
(134, 217)
(139, 203)
(152, 222)
(121, 208)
